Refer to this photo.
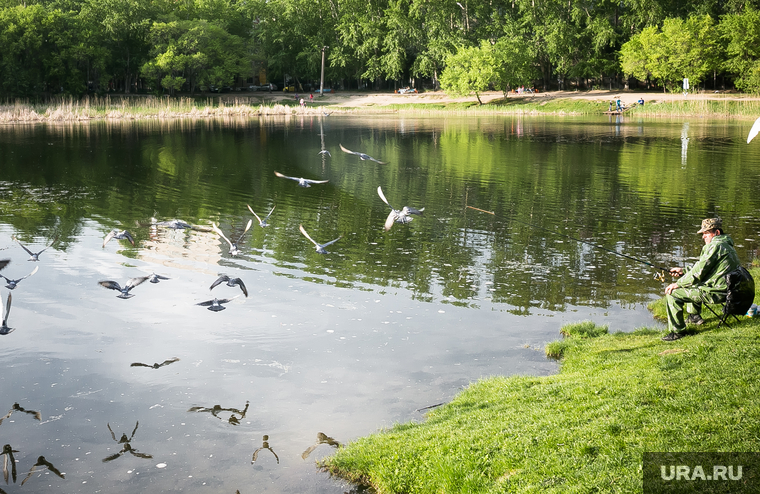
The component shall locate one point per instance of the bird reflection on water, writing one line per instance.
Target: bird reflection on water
(217, 409)
(322, 438)
(127, 446)
(17, 408)
(42, 462)
(155, 365)
(8, 454)
(264, 446)
(4, 329)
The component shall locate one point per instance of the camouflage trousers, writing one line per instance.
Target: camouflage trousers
(692, 299)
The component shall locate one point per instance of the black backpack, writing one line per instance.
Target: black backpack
(741, 292)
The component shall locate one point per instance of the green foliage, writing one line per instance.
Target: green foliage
(196, 51)
(515, 62)
(470, 70)
(680, 49)
(741, 32)
(73, 45)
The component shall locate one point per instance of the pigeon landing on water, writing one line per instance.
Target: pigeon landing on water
(402, 216)
(112, 285)
(35, 256)
(4, 329)
(303, 182)
(233, 245)
(362, 156)
(216, 304)
(13, 283)
(155, 278)
(119, 235)
(175, 224)
(230, 282)
(320, 247)
(262, 223)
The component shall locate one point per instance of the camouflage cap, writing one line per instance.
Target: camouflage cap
(711, 224)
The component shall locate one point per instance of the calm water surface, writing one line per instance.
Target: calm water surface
(343, 343)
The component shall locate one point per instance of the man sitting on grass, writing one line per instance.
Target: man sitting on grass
(704, 283)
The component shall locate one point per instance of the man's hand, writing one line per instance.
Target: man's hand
(676, 272)
(669, 289)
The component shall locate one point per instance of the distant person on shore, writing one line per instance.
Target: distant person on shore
(641, 101)
(704, 283)
(311, 98)
(619, 105)
(303, 103)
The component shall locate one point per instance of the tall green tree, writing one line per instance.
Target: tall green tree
(125, 34)
(680, 49)
(470, 70)
(195, 51)
(741, 33)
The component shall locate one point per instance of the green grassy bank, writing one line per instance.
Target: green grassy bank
(582, 430)
(148, 107)
(537, 105)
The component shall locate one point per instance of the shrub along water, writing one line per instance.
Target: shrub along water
(583, 430)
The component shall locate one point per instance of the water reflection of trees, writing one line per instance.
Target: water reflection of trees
(620, 187)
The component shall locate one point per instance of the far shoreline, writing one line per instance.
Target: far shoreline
(256, 104)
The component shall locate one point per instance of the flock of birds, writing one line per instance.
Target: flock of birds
(402, 216)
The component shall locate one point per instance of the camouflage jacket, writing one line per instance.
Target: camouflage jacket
(717, 259)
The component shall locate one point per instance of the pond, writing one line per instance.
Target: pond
(328, 347)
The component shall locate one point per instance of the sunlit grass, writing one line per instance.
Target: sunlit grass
(583, 430)
(88, 108)
(695, 106)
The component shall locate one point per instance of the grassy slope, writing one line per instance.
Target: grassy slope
(582, 430)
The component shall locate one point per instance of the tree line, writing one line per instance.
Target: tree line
(79, 46)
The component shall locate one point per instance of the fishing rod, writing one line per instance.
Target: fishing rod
(660, 276)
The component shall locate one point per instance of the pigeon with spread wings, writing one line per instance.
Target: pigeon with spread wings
(216, 304)
(262, 223)
(233, 245)
(303, 182)
(35, 256)
(230, 282)
(320, 247)
(362, 156)
(397, 216)
(118, 235)
(131, 283)
(12, 283)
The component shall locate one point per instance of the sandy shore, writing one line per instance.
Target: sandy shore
(363, 99)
